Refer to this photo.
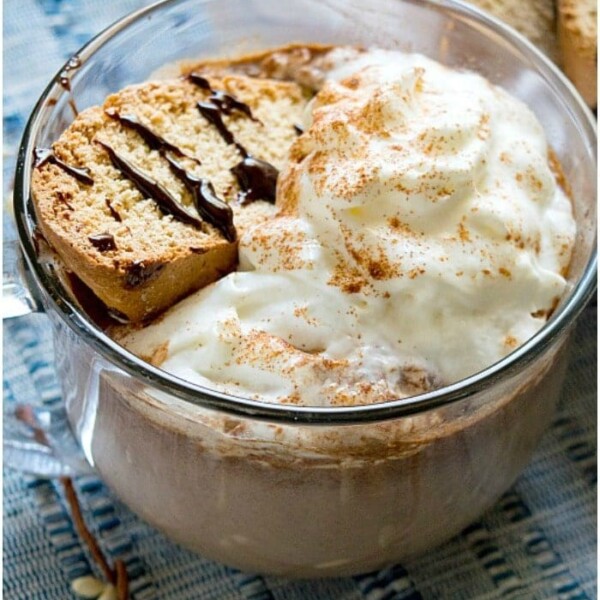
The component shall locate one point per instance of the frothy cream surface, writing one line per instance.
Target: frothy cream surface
(420, 237)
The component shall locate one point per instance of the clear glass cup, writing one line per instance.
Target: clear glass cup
(300, 491)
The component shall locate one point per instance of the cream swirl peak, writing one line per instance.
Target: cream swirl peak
(421, 236)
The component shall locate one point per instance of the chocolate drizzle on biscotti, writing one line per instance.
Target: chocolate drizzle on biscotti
(153, 139)
(150, 188)
(209, 206)
(257, 178)
(211, 209)
(212, 113)
(114, 213)
(103, 242)
(64, 198)
(226, 103)
(139, 272)
(47, 156)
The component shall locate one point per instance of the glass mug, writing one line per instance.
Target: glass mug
(301, 491)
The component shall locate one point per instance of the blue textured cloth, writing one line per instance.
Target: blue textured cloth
(539, 541)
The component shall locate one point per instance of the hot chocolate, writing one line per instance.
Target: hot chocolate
(418, 235)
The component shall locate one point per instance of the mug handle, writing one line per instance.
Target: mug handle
(37, 438)
(19, 295)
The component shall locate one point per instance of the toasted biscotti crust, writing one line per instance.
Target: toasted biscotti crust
(136, 258)
(578, 39)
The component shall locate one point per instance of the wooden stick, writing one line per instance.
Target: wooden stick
(25, 414)
(84, 532)
(122, 581)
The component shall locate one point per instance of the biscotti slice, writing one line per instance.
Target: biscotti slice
(535, 19)
(293, 62)
(578, 40)
(137, 196)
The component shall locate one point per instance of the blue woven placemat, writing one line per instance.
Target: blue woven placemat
(539, 541)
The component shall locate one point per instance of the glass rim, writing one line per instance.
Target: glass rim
(81, 325)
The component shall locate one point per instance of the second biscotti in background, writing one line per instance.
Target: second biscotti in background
(578, 42)
(535, 19)
(566, 30)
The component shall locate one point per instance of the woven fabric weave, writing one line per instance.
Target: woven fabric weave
(539, 541)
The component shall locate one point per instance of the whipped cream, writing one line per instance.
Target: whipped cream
(420, 237)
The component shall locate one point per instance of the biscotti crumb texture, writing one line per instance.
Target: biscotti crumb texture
(137, 257)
